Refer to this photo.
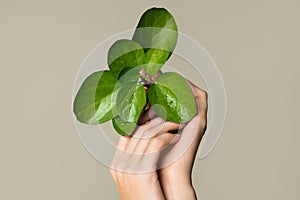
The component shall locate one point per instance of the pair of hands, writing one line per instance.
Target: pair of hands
(156, 164)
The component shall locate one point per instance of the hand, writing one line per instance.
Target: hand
(137, 157)
(134, 166)
(176, 177)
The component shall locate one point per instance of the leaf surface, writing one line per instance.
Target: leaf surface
(122, 127)
(123, 54)
(130, 102)
(157, 34)
(174, 97)
(96, 97)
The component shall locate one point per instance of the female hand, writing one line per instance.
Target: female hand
(134, 166)
(138, 157)
(175, 178)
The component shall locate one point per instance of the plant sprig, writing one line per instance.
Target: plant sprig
(121, 93)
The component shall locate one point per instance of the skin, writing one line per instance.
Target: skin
(137, 164)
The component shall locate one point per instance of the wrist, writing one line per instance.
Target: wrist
(178, 191)
(138, 186)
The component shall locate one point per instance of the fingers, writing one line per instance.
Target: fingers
(123, 142)
(162, 141)
(145, 137)
(139, 155)
(160, 126)
(194, 129)
(201, 97)
(152, 131)
(151, 126)
(152, 138)
(151, 123)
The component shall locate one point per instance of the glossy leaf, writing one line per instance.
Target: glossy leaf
(157, 34)
(130, 102)
(123, 54)
(175, 97)
(130, 74)
(123, 128)
(155, 58)
(95, 99)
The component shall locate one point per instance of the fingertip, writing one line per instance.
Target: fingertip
(123, 142)
(171, 126)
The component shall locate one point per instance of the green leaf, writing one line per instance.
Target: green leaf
(125, 53)
(130, 74)
(157, 34)
(123, 128)
(175, 97)
(130, 102)
(95, 99)
(155, 58)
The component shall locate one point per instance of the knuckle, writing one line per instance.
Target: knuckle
(203, 94)
(112, 171)
(123, 141)
(156, 143)
(203, 123)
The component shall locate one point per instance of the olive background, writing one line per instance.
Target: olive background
(255, 45)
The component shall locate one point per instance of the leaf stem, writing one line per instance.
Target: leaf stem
(145, 80)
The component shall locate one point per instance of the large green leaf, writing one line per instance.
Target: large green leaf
(157, 33)
(123, 54)
(175, 97)
(122, 127)
(130, 102)
(96, 97)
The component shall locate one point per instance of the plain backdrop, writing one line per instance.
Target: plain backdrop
(255, 44)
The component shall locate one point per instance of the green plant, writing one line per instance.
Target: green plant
(121, 93)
